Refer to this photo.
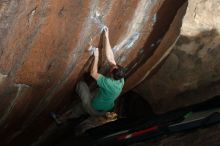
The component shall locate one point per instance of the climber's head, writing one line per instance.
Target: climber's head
(118, 72)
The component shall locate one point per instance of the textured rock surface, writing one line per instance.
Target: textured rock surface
(43, 51)
(191, 73)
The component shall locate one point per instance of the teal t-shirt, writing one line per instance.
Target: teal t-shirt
(109, 90)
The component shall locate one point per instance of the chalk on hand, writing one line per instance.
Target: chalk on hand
(105, 28)
(91, 50)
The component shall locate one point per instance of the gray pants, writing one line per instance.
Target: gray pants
(85, 106)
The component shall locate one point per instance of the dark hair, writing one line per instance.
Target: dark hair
(118, 73)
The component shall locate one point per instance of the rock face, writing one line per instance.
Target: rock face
(43, 52)
(191, 72)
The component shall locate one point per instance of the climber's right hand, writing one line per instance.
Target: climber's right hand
(106, 31)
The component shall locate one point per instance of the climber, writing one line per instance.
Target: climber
(109, 87)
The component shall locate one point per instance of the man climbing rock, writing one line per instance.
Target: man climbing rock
(109, 87)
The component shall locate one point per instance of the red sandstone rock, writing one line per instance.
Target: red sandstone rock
(43, 51)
